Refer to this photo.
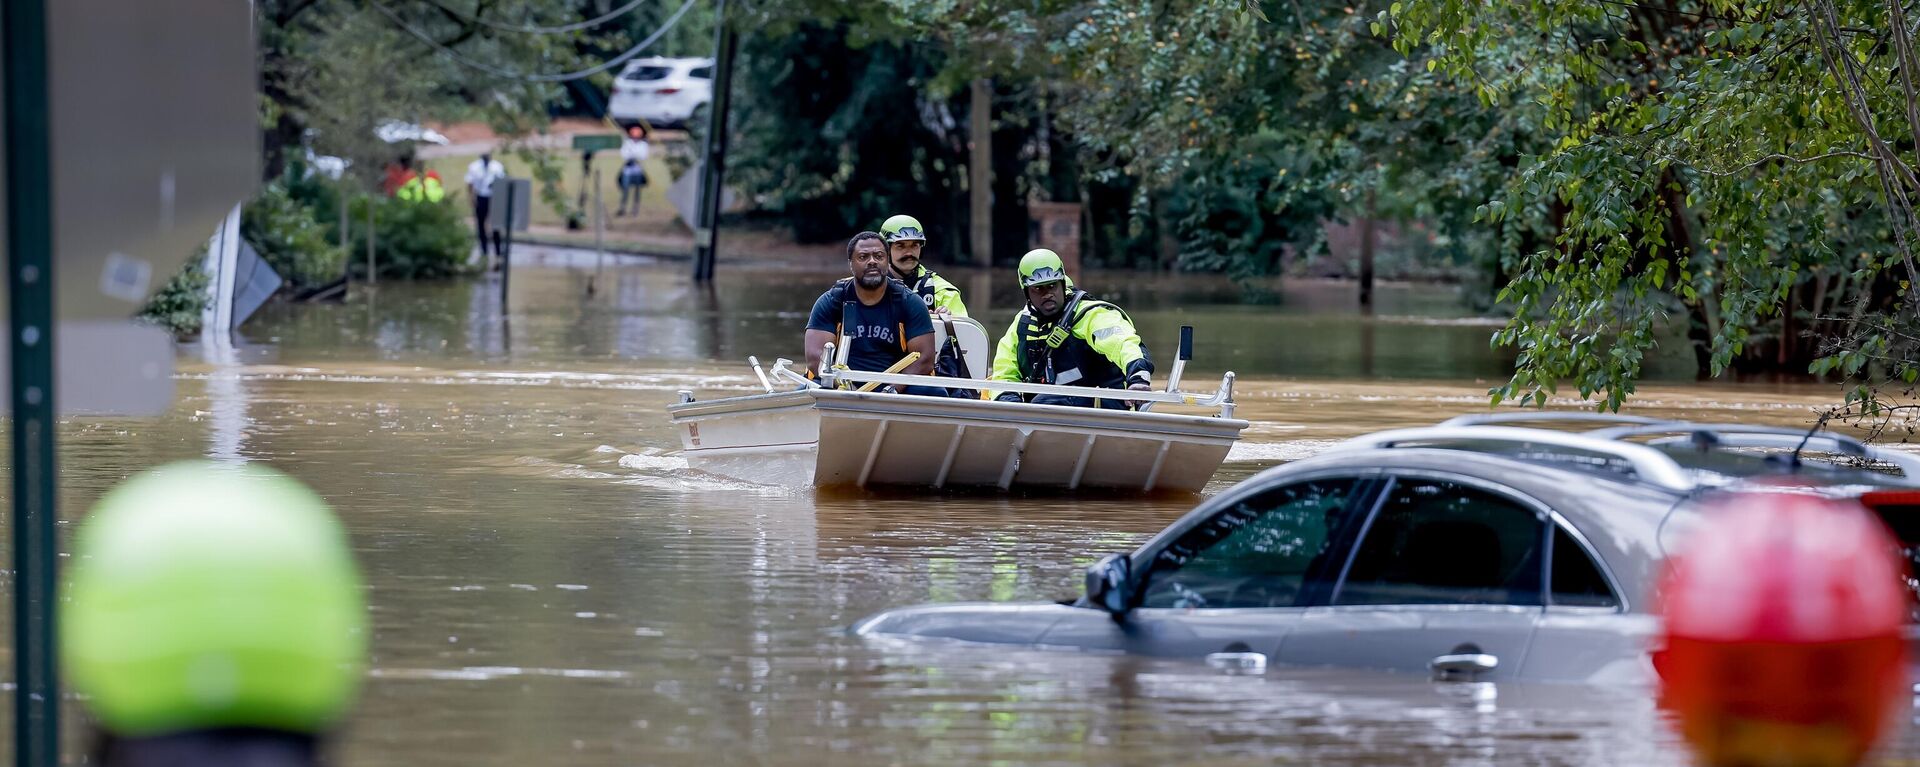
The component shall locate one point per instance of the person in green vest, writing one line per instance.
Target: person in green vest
(906, 241)
(1065, 337)
(422, 185)
(213, 616)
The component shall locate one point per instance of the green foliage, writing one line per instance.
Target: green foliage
(413, 240)
(1705, 166)
(835, 132)
(289, 235)
(1240, 215)
(178, 304)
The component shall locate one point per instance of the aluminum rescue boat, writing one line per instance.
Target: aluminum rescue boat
(801, 432)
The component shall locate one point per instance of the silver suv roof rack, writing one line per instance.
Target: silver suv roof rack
(1548, 416)
(1711, 435)
(1648, 464)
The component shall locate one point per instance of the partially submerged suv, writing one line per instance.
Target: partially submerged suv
(1473, 549)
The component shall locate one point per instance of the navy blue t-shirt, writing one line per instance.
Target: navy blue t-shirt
(879, 333)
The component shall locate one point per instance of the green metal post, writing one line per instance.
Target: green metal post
(29, 174)
(506, 251)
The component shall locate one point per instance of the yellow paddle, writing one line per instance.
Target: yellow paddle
(911, 358)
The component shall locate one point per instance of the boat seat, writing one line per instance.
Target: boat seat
(975, 347)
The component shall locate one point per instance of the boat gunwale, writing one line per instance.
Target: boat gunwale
(831, 402)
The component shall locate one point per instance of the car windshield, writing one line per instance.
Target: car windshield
(1259, 552)
(646, 72)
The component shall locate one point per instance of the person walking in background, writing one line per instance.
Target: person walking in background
(481, 174)
(633, 172)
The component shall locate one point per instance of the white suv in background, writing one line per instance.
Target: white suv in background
(663, 92)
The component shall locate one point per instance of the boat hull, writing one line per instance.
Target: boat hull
(828, 438)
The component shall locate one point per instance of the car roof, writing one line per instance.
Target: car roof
(664, 61)
(1619, 488)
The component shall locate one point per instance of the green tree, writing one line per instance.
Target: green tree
(1747, 166)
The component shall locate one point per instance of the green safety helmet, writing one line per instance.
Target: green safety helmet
(206, 596)
(1041, 266)
(902, 227)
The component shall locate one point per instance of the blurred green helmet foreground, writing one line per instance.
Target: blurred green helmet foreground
(1041, 266)
(903, 227)
(206, 596)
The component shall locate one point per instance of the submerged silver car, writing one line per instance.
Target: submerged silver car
(1470, 550)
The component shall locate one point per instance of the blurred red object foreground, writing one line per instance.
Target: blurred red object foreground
(1782, 622)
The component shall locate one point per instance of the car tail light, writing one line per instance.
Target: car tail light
(666, 91)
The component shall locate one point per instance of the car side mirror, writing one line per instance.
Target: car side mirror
(1110, 585)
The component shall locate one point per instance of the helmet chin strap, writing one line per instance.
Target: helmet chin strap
(1068, 298)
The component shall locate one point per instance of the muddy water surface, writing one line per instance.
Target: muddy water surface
(549, 585)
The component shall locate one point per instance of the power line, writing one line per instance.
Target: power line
(562, 29)
(534, 78)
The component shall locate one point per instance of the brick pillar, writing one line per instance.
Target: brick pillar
(1058, 227)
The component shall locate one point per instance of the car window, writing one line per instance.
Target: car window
(1576, 581)
(704, 73)
(645, 73)
(1436, 542)
(1257, 553)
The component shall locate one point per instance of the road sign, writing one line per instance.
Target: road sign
(155, 136)
(596, 142)
(684, 193)
(155, 123)
(517, 209)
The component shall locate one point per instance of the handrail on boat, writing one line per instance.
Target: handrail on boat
(764, 383)
(782, 371)
(1221, 398)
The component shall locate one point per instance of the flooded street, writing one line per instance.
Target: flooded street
(550, 585)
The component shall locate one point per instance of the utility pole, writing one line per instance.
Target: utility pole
(706, 237)
(29, 175)
(980, 171)
(1366, 256)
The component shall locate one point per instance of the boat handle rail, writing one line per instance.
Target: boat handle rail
(781, 370)
(1221, 398)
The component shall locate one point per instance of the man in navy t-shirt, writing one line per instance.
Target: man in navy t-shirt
(881, 318)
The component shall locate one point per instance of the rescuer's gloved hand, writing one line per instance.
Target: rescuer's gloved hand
(1007, 396)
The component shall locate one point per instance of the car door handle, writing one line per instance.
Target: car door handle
(1462, 663)
(1239, 662)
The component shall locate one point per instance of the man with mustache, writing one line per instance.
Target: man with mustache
(905, 241)
(882, 319)
(1068, 338)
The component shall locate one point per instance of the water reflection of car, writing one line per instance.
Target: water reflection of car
(666, 93)
(1469, 550)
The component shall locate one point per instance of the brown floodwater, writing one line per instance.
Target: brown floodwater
(550, 585)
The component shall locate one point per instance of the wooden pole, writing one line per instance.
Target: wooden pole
(1366, 256)
(980, 172)
(373, 274)
(706, 241)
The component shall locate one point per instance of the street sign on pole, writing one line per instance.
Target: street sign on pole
(595, 142)
(515, 215)
(131, 128)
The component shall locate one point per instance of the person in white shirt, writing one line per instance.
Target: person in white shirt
(481, 174)
(633, 173)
